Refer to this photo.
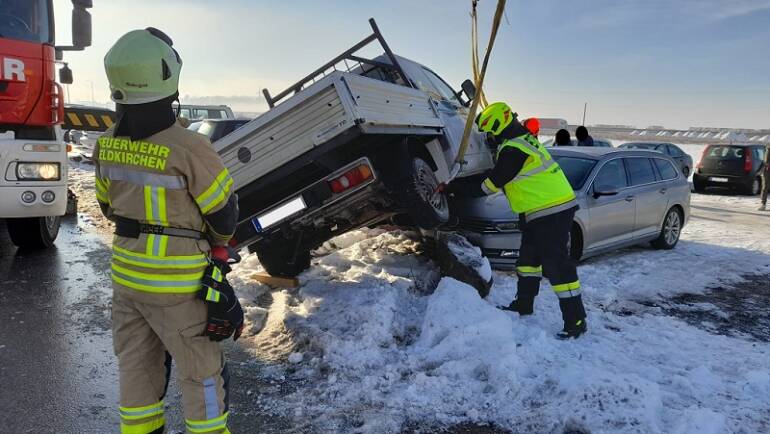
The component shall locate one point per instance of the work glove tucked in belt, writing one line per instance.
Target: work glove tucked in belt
(225, 316)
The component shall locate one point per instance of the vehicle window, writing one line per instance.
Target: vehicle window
(650, 146)
(26, 20)
(725, 152)
(675, 151)
(440, 85)
(576, 169)
(666, 169)
(640, 171)
(761, 152)
(185, 113)
(611, 177)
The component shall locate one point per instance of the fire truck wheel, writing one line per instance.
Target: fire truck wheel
(33, 232)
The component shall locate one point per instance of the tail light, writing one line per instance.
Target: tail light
(703, 156)
(351, 178)
(748, 162)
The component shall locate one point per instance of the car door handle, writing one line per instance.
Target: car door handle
(663, 190)
(630, 198)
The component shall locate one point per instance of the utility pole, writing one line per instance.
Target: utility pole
(93, 100)
(585, 108)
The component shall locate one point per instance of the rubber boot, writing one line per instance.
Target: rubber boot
(522, 305)
(574, 315)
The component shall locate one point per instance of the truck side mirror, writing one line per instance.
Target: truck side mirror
(81, 25)
(469, 89)
(65, 75)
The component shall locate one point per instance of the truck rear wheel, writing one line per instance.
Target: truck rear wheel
(279, 259)
(427, 207)
(34, 232)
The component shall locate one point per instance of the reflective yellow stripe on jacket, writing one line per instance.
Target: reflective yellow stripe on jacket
(540, 188)
(216, 193)
(178, 283)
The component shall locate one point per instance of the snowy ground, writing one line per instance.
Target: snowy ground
(366, 345)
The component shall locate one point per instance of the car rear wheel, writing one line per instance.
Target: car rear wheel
(34, 232)
(279, 257)
(756, 187)
(427, 207)
(671, 230)
(699, 187)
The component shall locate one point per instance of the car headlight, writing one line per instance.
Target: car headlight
(38, 171)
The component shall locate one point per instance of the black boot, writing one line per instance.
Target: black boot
(574, 315)
(522, 305)
(573, 330)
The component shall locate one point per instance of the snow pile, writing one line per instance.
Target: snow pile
(371, 349)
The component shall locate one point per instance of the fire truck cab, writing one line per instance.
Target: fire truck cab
(33, 155)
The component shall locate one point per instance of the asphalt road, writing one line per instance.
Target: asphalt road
(58, 373)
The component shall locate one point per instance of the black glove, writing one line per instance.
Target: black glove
(225, 316)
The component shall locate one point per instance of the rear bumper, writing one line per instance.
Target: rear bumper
(705, 180)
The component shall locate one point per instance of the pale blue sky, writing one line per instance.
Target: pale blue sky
(676, 63)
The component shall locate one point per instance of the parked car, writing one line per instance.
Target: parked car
(200, 112)
(215, 129)
(626, 197)
(732, 166)
(598, 143)
(356, 142)
(670, 149)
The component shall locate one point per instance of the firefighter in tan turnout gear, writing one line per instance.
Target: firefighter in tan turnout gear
(171, 200)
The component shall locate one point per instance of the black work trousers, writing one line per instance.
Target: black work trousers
(544, 252)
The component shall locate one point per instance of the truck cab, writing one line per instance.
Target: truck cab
(33, 155)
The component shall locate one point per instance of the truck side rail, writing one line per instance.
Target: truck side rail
(348, 55)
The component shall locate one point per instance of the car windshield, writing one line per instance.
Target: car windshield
(576, 169)
(725, 152)
(26, 20)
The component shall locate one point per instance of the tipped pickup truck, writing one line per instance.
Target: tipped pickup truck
(357, 141)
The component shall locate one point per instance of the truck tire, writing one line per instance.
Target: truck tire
(279, 259)
(33, 232)
(418, 196)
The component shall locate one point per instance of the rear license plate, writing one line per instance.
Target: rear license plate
(278, 214)
(715, 179)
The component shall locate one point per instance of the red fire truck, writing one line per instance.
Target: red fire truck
(33, 155)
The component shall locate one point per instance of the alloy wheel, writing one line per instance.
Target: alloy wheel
(672, 228)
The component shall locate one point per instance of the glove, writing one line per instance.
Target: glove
(225, 315)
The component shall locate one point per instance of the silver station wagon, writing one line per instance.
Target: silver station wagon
(626, 197)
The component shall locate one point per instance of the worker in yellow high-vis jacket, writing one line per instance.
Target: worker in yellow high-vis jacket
(539, 192)
(174, 210)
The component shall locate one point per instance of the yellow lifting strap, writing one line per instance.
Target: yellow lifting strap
(479, 81)
(475, 50)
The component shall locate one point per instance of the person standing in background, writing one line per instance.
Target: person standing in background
(563, 138)
(583, 138)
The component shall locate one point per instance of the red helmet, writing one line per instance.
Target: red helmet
(532, 125)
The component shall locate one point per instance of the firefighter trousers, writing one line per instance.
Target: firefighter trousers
(148, 331)
(544, 252)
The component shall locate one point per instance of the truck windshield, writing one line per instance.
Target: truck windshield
(26, 20)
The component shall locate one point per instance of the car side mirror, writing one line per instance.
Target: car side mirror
(469, 89)
(599, 192)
